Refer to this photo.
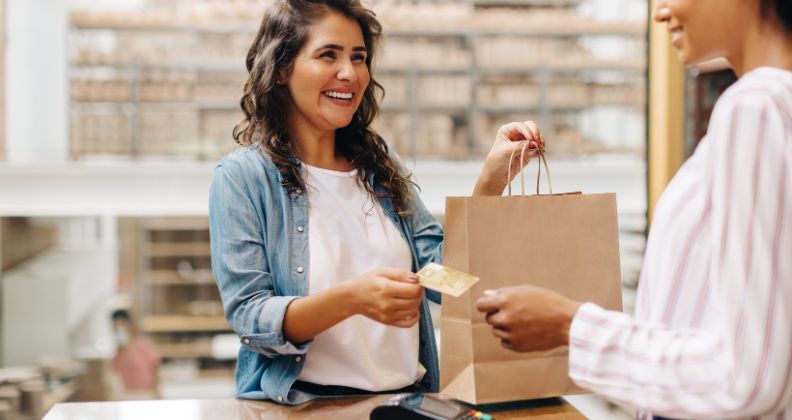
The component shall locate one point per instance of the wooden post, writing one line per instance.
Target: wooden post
(666, 112)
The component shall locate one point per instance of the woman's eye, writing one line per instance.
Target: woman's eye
(358, 57)
(328, 54)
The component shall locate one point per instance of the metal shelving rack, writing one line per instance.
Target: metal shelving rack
(466, 116)
(164, 291)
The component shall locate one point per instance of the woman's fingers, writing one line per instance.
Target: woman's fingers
(399, 290)
(520, 131)
(407, 322)
(531, 151)
(535, 132)
(404, 304)
(517, 132)
(404, 313)
(397, 274)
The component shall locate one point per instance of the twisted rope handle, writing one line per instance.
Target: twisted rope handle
(543, 160)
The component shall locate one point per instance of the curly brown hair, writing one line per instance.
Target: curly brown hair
(265, 102)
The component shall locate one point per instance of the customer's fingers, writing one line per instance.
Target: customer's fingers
(488, 303)
(501, 333)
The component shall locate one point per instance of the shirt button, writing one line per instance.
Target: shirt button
(246, 341)
(297, 359)
(300, 228)
(300, 269)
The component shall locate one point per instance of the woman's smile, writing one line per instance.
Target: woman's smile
(340, 97)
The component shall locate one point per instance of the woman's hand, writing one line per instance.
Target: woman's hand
(528, 318)
(388, 295)
(494, 176)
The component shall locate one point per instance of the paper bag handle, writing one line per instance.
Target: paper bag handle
(542, 160)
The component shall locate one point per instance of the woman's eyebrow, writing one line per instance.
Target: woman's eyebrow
(340, 48)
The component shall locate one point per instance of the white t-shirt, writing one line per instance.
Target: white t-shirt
(348, 235)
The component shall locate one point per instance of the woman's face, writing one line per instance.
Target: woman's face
(705, 29)
(329, 75)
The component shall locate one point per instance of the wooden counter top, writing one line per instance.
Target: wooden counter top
(226, 409)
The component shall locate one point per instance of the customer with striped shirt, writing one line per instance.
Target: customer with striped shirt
(712, 333)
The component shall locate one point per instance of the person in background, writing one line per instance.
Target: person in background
(137, 360)
(317, 229)
(712, 331)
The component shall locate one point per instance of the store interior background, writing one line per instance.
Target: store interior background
(115, 111)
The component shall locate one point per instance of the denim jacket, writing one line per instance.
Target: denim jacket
(259, 236)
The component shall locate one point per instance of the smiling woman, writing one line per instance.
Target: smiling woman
(306, 218)
(316, 229)
(306, 51)
(327, 82)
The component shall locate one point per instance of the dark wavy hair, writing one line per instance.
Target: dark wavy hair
(265, 102)
(781, 8)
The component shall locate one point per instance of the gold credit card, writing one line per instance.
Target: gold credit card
(446, 280)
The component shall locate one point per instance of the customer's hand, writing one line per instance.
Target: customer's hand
(528, 318)
(388, 295)
(494, 176)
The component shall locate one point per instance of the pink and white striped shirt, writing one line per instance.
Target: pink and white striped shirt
(712, 333)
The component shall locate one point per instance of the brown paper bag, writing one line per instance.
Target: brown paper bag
(567, 243)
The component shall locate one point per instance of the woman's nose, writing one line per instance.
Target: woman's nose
(661, 12)
(347, 72)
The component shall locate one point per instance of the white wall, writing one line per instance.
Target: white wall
(33, 313)
(36, 81)
(56, 303)
(615, 9)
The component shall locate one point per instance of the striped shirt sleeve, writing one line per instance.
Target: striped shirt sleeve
(740, 365)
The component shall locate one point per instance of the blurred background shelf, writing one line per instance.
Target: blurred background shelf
(584, 28)
(179, 249)
(139, 82)
(183, 323)
(201, 349)
(176, 296)
(173, 278)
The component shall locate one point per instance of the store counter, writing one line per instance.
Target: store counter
(331, 408)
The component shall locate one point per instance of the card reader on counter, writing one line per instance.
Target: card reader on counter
(423, 407)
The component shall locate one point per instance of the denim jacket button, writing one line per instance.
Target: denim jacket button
(280, 399)
(246, 341)
(300, 229)
(300, 269)
(297, 359)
